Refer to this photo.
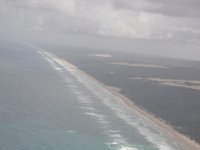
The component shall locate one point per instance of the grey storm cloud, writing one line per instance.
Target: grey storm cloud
(174, 8)
(149, 19)
(179, 8)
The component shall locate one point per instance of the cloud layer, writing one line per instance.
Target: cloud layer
(149, 19)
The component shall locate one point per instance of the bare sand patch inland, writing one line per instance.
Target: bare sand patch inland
(143, 65)
(190, 84)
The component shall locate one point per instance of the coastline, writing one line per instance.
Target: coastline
(161, 123)
(166, 128)
(165, 131)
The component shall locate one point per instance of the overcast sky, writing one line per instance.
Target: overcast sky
(171, 20)
(154, 19)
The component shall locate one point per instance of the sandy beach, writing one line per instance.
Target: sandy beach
(156, 122)
(186, 141)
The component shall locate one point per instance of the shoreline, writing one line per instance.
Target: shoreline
(162, 124)
(169, 131)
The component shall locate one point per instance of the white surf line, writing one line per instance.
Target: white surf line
(54, 66)
(139, 124)
(101, 119)
(157, 138)
(115, 137)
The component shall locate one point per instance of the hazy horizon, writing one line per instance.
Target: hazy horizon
(154, 27)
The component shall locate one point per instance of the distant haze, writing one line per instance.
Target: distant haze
(158, 27)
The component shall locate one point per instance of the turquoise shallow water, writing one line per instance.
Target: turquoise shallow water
(48, 104)
(36, 112)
